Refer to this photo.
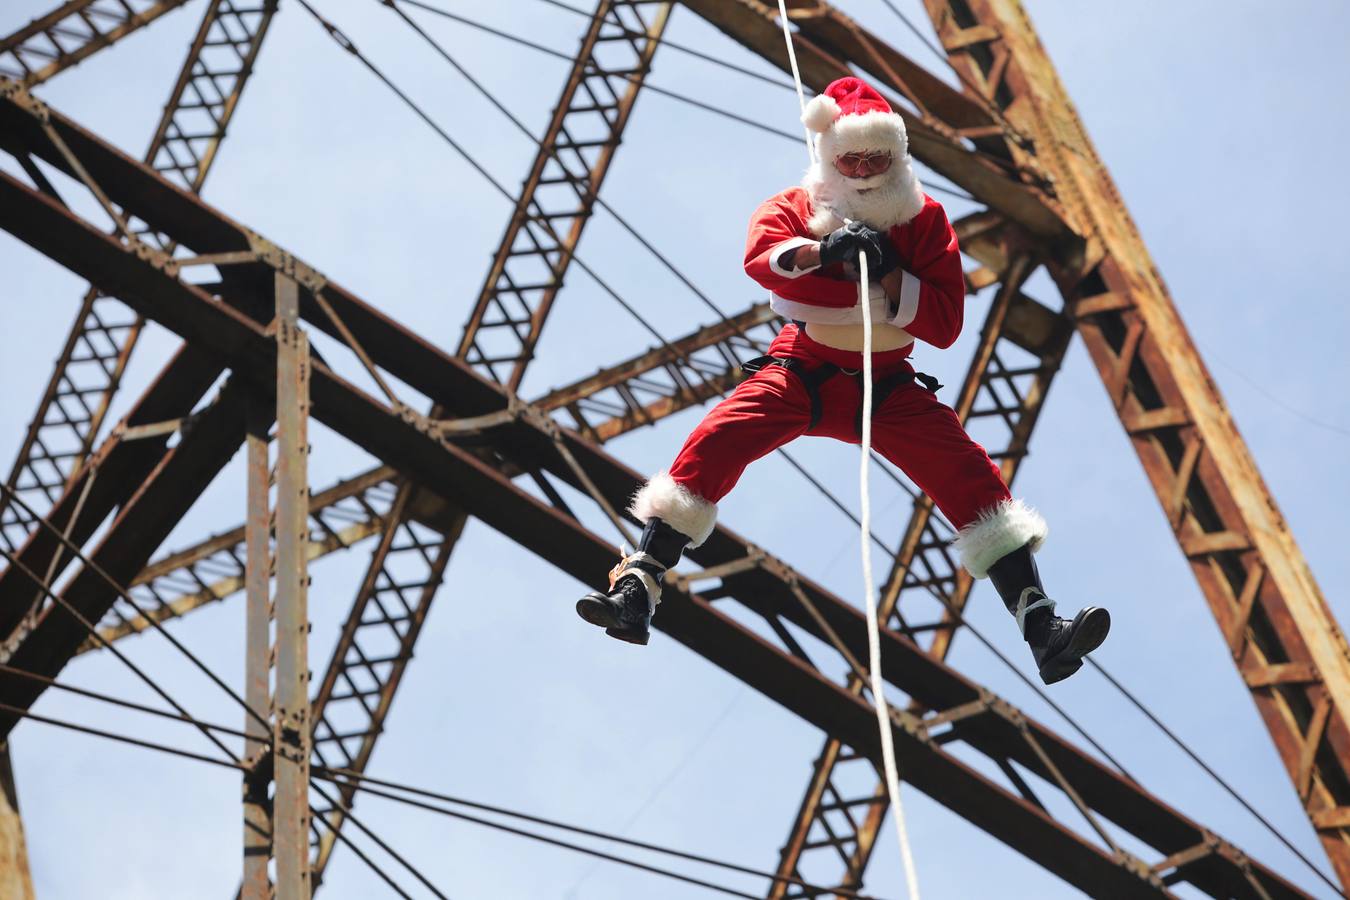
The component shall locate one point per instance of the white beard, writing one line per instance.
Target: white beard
(880, 201)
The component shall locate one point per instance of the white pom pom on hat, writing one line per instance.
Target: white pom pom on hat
(820, 113)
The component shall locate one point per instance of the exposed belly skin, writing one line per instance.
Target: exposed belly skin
(850, 337)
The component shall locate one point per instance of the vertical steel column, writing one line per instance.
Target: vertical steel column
(1281, 633)
(258, 665)
(16, 883)
(291, 728)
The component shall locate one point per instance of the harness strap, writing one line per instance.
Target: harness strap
(812, 379)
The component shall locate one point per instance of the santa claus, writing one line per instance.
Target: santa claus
(861, 196)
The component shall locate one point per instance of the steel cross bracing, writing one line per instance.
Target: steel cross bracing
(810, 620)
(1283, 638)
(95, 355)
(559, 193)
(527, 271)
(845, 803)
(72, 32)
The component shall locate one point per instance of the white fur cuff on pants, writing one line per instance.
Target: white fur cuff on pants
(998, 531)
(677, 506)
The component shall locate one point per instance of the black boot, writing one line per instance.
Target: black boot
(625, 612)
(1058, 645)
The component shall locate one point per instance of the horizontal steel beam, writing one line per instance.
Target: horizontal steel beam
(528, 441)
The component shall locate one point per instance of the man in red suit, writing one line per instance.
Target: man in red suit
(861, 196)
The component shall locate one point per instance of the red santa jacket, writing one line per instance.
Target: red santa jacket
(932, 288)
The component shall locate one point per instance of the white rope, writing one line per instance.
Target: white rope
(796, 77)
(891, 770)
(873, 629)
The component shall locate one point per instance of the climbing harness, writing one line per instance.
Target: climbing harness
(865, 411)
(813, 378)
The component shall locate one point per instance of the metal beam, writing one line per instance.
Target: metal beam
(72, 33)
(1283, 638)
(96, 352)
(504, 327)
(416, 446)
(1009, 397)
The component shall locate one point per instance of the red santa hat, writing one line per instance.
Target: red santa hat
(850, 116)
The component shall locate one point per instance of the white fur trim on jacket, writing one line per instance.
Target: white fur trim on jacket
(998, 531)
(677, 506)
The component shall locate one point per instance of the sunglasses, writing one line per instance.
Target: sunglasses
(861, 165)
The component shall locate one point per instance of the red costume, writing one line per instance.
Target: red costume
(860, 196)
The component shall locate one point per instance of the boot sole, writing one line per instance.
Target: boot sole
(595, 610)
(1093, 624)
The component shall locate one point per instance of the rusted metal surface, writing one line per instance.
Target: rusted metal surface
(257, 883)
(685, 372)
(767, 587)
(291, 743)
(16, 880)
(504, 326)
(73, 32)
(994, 178)
(837, 824)
(372, 654)
(1282, 636)
(96, 352)
(559, 193)
(340, 517)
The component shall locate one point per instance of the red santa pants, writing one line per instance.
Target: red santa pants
(911, 429)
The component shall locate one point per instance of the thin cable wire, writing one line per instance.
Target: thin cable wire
(15, 562)
(369, 785)
(128, 704)
(124, 593)
(1195, 757)
(176, 751)
(558, 54)
(349, 815)
(347, 44)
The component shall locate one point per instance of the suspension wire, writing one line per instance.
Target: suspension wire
(1195, 757)
(674, 95)
(357, 781)
(650, 247)
(22, 567)
(347, 44)
(370, 785)
(348, 814)
(128, 704)
(232, 763)
(939, 188)
(683, 48)
(384, 876)
(125, 594)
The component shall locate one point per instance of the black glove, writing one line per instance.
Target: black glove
(844, 245)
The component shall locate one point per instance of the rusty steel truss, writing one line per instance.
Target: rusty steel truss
(1010, 138)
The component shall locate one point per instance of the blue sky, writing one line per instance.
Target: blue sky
(1222, 124)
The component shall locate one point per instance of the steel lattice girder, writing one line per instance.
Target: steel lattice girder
(96, 352)
(73, 32)
(682, 373)
(1282, 636)
(415, 447)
